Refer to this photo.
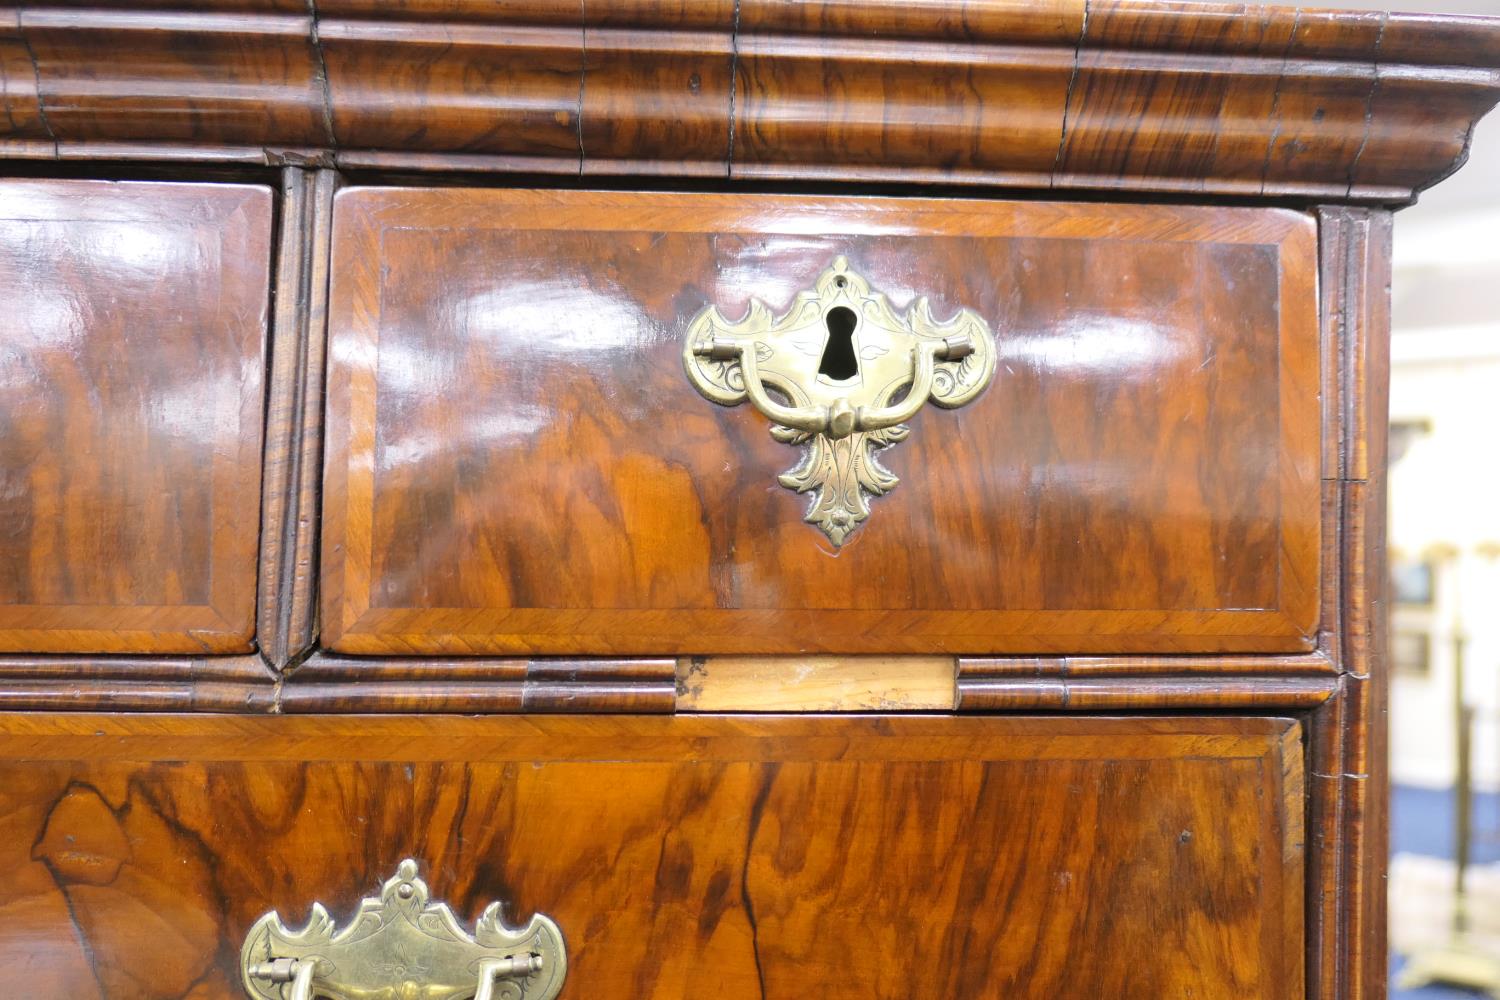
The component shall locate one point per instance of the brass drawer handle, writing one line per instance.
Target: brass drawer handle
(841, 355)
(401, 944)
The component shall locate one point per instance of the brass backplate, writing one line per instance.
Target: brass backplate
(852, 371)
(402, 946)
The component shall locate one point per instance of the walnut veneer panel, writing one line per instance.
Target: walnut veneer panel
(131, 365)
(516, 461)
(786, 857)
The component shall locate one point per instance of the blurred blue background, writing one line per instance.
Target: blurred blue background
(1422, 822)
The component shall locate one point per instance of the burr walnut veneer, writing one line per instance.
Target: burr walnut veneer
(745, 857)
(366, 492)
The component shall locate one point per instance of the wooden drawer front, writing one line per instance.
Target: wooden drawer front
(783, 857)
(132, 344)
(516, 460)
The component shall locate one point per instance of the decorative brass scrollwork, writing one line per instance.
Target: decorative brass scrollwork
(403, 946)
(841, 356)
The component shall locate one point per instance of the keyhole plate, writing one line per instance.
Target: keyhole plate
(840, 352)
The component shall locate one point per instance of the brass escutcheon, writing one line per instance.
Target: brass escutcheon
(841, 357)
(401, 946)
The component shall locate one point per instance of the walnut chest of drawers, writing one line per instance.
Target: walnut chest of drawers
(848, 499)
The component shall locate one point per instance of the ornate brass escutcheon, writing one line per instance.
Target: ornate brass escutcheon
(841, 356)
(401, 946)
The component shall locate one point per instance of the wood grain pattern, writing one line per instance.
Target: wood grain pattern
(505, 85)
(1124, 95)
(136, 684)
(286, 606)
(103, 74)
(476, 685)
(773, 857)
(130, 415)
(1126, 693)
(1142, 476)
(1314, 664)
(1137, 684)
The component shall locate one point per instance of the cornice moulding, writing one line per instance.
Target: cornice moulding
(1123, 95)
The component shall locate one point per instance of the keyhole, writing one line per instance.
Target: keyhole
(838, 361)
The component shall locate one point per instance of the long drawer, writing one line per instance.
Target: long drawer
(776, 857)
(1116, 447)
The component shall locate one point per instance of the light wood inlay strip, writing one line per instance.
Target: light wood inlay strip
(815, 683)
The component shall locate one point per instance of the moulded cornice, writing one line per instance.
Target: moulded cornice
(1127, 95)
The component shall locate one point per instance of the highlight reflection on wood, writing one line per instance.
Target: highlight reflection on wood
(132, 345)
(781, 858)
(516, 461)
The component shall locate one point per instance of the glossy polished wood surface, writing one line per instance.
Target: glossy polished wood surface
(516, 462)
(851, 857)
(132, 347)
(1129, 95)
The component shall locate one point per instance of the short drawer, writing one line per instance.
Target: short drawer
(521, 456)
(850, 857)
(132, 349)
